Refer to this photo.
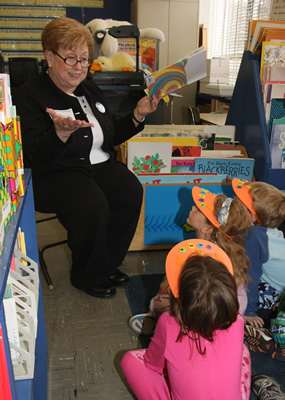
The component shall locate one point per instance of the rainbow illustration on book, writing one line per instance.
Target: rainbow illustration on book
(173, 77)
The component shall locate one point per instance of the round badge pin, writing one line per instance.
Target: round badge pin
(100, 107)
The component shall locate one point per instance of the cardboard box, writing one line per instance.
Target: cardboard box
(218, 67)
(216, 90)
(213, 80)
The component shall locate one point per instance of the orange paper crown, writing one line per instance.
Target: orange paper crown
(241, 189)
(178, 255)
(205, 202)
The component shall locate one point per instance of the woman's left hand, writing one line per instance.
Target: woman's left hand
(146, 106)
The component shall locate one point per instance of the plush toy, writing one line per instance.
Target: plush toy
(119, 62)
(109, 44)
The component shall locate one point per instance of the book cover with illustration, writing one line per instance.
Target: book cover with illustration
(231, 167)
(169, 79)
(186, 151)
(149, 157)
(272, 55)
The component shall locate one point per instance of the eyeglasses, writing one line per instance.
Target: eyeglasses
(72, 61)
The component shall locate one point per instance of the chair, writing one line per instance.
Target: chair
(42, 251)
(21, 69)
(194, 115)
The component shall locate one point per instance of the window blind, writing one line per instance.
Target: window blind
(228, 28)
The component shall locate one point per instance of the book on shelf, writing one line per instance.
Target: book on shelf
(223, 153)
(257, 29)
(182, 165)
(186, 151)
(5, 388)
(272, 90)
(269, 35)
(5, 96)
(251, 27)
(180, 178)
(277, 110)
(221, 131)
(272, 55)
(149, 156)
(5, 198)
(226, 145)
(174, 140)
(277, 142)
(273, 35)
(273, 74)
(182, 161)
(231, 167)
(156, 158)
(12, 165)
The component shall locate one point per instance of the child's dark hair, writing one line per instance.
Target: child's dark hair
(207, 299)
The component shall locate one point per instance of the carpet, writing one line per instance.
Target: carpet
(139, 291)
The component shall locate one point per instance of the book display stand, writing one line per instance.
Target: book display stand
(30, 382)
(247, 114)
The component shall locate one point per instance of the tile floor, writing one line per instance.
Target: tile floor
(87, 336)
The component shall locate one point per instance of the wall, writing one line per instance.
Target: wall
(204, 10)
(179, 21)
(113, 9)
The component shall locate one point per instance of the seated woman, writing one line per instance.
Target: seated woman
(68, 136)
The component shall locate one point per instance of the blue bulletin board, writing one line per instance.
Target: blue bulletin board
(166, 210)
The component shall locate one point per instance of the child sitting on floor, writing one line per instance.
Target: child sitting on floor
(265, 247)
(198, 347)
(228, 234)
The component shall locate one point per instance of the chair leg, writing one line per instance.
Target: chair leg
(45, 271)
(43, 263)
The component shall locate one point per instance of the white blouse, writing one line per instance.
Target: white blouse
(97, 155)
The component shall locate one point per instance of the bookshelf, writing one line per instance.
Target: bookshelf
(24, 217)
(247, 114)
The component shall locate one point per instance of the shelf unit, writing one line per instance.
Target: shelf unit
(24, 217)
(247, 114)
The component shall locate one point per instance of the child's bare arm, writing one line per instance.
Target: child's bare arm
(255, 321)
(161, 301)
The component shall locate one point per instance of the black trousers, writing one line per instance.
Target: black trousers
(100, 214)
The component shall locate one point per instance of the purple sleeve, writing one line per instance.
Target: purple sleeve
(257, 252)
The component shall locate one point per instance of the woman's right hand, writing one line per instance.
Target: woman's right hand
(64, 127)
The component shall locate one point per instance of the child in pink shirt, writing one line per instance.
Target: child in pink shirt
(197, 351)
(213, 221)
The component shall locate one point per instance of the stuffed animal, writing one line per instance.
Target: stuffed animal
(119, 62)
(109, 44)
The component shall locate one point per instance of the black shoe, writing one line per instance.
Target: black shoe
(266, 388)
(105, 290)
(118, 278)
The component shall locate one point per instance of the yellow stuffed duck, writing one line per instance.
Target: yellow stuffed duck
(119, 62)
